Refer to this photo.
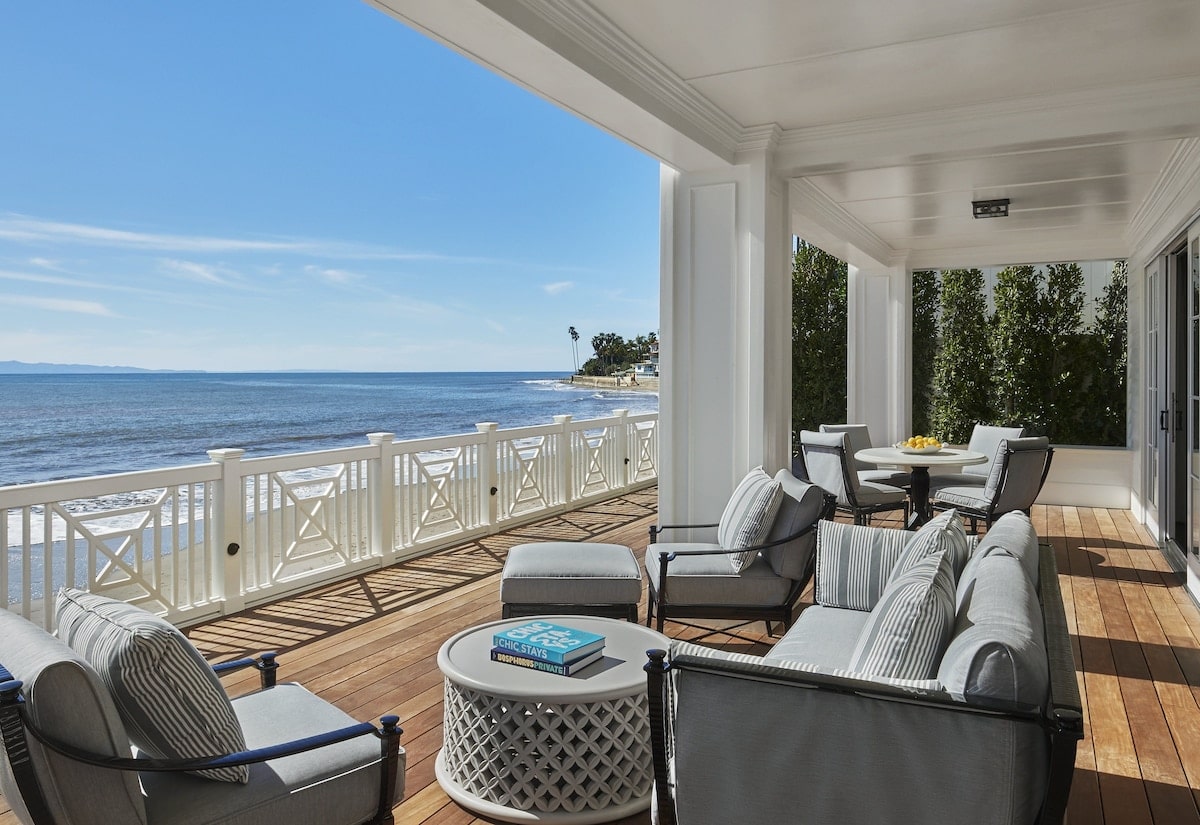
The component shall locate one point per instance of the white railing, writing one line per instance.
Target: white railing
(208, 539)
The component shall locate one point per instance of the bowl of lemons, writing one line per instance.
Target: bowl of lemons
(919, 445)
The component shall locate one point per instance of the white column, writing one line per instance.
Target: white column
(878, 351)
(725, 390)
(228, 521)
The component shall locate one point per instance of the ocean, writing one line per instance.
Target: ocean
(68, 426)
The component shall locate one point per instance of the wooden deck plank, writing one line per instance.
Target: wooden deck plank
(369, 645)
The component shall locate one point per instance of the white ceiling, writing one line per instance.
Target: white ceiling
(892, 117)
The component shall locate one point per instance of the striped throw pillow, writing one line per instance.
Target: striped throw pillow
(854, 563)
(908, 630)
(167, 695)
(748, 516)
(944, 532)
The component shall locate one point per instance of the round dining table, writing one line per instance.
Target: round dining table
(918, 465)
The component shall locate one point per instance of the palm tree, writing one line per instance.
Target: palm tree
(574, 345)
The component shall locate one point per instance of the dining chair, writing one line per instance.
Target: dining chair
(858, 437)
(825, 456)
(986, 439)
(1017, 476)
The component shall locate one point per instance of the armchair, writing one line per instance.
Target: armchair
(858, 437)
(67, 758)
(699, 580)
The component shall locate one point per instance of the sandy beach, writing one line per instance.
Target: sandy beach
(609, 382)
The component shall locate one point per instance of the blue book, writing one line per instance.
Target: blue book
(548, 642)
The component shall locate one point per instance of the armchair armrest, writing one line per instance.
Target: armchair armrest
(264, 662)
(655, 529)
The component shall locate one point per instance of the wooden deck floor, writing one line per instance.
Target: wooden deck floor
(369, 645)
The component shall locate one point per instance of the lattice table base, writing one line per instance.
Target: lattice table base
(522, 761)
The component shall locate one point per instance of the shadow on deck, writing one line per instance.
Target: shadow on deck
(369, 645)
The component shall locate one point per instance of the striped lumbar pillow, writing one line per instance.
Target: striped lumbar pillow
(854, 563)
(167, 695)
(909, 628)
(748, 516)
(943, 533)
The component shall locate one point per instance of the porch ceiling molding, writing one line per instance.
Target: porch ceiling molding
(820, 220)
(1025, 252)
(1156, 110)
(1170, 205)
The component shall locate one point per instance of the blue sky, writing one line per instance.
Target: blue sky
(281, 185)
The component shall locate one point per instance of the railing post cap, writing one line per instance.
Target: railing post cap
(562, 419)
(226, 454)
(487, 426)
(621, 412)
(379, 439)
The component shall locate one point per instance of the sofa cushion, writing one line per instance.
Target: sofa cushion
(65, 698)
(799, 507)
(906, 632)
(942, 533)
(169, 698)
(854, 563)
(338, 783)
(748, 516)
(708, 579)
(1011, 535)
(823, 636)
(998, 648)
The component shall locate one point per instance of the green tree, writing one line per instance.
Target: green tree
(925, 291)
(574, 333)
(962, 369)
(818, 338)
(1106, 396)
(1066, 417)
(1019, 343)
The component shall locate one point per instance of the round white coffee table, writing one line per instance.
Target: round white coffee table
(919, 465)
(526, 746)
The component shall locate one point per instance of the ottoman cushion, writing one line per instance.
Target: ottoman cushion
(566, 572)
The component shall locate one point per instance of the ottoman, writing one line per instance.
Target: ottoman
(571, 577)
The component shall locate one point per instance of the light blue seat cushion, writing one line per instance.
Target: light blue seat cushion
(571, 572)
(972, 498)
(822, 636)
(892, 478)
(709, 579)
(872, 492)
(337, 785)
(66, 699)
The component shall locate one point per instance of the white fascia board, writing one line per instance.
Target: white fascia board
(569, 55)
(1019, 252)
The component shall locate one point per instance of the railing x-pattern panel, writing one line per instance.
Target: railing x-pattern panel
(194, 542)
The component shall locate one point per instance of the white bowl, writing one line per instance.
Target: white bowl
(916, 450)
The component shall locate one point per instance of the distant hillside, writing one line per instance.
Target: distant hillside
(22, 368)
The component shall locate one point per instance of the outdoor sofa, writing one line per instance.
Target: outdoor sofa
(932, 681)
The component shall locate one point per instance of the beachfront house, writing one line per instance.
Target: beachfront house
(870, 130)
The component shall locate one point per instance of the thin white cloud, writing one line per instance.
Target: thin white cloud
(557, 287)
(60, 305)
(24, 229)
(334, 276)
(193, 271)
(496, 326)
(43, 263)
(17, 228)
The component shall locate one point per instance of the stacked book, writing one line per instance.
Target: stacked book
(547, 647)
